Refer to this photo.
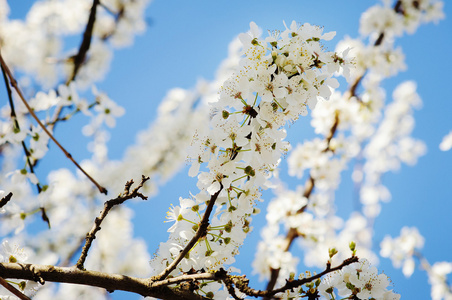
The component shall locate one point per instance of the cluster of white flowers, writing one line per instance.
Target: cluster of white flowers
(446, 143)
(360, 280)
(11, 253)
(279, 77)
(437, 277)
(35, 49)
(158, 153)
(390, 145)
(49, 22)
(405, 248)
(401, 250)
(394, 21)
(386, 22)
(353, 128)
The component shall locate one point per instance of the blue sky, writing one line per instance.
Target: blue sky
(186, 40)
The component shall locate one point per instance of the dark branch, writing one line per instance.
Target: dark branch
(86, 42)
(5, 199)
(110, 282)
(108, 205)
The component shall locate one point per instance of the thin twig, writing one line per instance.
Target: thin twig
(13, 290)
(13, 83)
(108, 205)
(69, 115)
(201, 232)
(186, 277)
(242, 284)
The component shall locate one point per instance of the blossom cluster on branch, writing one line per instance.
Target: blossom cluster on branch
(232, 131)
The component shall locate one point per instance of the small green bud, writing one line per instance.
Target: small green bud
(274, 106)
(22, 285)
(195, 208)
(227, 240)
(250, 171)
(12, 259)
(195, 227)
(225, 114)
(332, 252)
(317, 282)
(209, 252)
(107, 111)
(228, 227)
(23, 172)
(255, 42)
(209, 295)
(23, 215)
(352, 246)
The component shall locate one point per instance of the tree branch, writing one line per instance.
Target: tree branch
(86, 42)
(108, 205)
(145, 287)
(110, 282)
(13, 83)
